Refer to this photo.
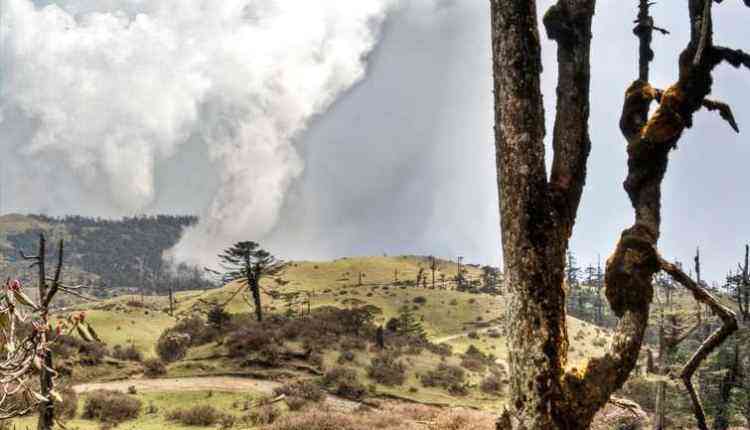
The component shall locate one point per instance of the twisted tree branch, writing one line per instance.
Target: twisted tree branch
(729, 326)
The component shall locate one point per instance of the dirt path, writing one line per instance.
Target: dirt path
(464, 334)
(219, 383)
(228, 384)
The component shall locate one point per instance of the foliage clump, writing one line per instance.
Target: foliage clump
(387, 370)
(343, 382)
(200, 415)
(110, 407)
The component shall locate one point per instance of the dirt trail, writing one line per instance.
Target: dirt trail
(219, 383)
(464, 334)
(230, 384)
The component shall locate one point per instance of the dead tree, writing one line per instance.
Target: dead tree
(434, 266)
(23, 359)
(739, 285)
(672, 332)
(538, 211)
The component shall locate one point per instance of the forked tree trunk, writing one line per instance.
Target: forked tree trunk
(538, 213)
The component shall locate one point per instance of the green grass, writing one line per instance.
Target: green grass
(120, 324)
(444, 314)
(163, 401)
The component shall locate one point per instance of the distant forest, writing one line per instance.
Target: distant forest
(123, 253)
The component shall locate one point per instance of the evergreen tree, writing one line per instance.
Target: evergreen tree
(247, 263)
(408, 324)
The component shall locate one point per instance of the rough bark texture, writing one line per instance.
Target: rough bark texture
(537, 214)
(255, 291)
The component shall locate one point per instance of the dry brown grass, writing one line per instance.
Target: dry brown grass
(390, 417)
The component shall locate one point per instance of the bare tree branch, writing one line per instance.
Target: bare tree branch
(729, 326)
(725, 111)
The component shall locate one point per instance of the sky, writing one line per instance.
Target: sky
(347, 128)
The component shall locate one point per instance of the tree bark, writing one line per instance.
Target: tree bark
(47, 407)
(538, 215)
(255, 291)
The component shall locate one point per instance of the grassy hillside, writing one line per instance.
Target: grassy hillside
(465, 321)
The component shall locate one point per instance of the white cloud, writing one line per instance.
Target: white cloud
(111, 87)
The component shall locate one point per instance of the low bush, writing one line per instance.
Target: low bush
(251, 339)
(67, 409)
(201, 415)
(473, 364)
(492, 384)
(387, 370)
(300, 393)
(263, 415)
(110, 407)
(127, 353)
(91, 353)
(452, 378)
(153, 367)
(172, 346)
(344, 382)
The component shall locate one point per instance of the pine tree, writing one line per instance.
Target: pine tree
(247, 263)
(408, 324)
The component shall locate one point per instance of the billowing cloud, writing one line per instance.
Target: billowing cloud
(104, 91)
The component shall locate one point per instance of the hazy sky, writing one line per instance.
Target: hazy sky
(378, 117)
(405, 161)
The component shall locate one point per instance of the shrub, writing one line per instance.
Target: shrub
(227, 421)
(91, 353)
(154, 367)
(473, 364)
(441, 349)
(201, 415)
(343, 382)
(263, 415)
(67, 409)
(640, 390)
(299, 393)
(248, 339)
(386, 370)
(218, 318)
(172, 346)
(110, 407)
(127, 353)
(446, 376)
(492, 384)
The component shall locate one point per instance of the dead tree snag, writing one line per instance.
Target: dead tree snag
(538, 212)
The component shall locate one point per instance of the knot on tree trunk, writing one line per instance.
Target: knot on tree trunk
(630, 270)
(568, 25)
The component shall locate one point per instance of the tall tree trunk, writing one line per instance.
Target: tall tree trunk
(47, 407)
(255, 291)
(538, 213)
(171, 300)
